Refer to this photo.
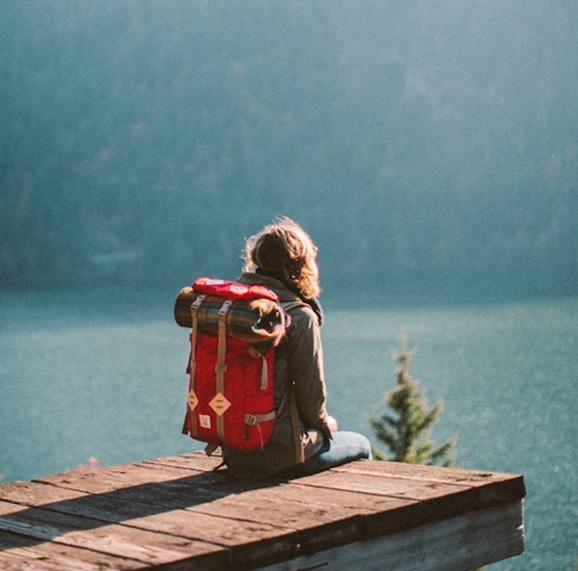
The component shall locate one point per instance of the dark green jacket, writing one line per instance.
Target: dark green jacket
(298, 366)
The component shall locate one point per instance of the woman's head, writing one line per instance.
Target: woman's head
(284, 250)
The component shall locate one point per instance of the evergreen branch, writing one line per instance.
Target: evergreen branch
(406, 432)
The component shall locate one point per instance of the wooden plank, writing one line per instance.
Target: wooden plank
(151, 548)
(112, 478)
(197, 461)
(25, 553)
(454, 544)
(494, 487)
(32, 562)
(36, 494)
(435, 500)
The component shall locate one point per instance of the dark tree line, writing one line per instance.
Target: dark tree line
(413, 139)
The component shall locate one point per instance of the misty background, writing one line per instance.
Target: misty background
(419, 142)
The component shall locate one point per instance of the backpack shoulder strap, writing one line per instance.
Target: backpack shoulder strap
(288, 306)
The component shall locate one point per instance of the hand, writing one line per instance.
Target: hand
(332, 423)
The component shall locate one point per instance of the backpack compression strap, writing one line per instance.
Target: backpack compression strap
(193, 365)
(220, 403)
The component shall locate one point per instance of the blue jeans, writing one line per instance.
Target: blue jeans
(342, 448)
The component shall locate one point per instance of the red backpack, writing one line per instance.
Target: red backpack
(235, 328)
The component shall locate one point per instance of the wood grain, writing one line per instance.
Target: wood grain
(178, 513)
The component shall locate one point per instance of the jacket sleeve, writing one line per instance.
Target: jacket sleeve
(306, 369)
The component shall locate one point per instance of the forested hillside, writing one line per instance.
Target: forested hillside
(414, 139)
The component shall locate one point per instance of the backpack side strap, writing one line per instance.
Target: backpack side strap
(191, 419)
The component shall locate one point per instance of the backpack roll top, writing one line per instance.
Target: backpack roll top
(255, 314)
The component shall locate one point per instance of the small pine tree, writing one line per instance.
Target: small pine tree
(406, 432)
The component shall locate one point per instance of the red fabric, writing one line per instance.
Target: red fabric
(242, 388)
(232, 290)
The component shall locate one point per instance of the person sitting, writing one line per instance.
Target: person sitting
(305, 438)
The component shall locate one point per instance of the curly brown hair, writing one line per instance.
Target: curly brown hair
(284, 250)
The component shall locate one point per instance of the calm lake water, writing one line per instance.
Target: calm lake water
(100, 374)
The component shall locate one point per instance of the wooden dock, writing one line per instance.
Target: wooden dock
(175, 513)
